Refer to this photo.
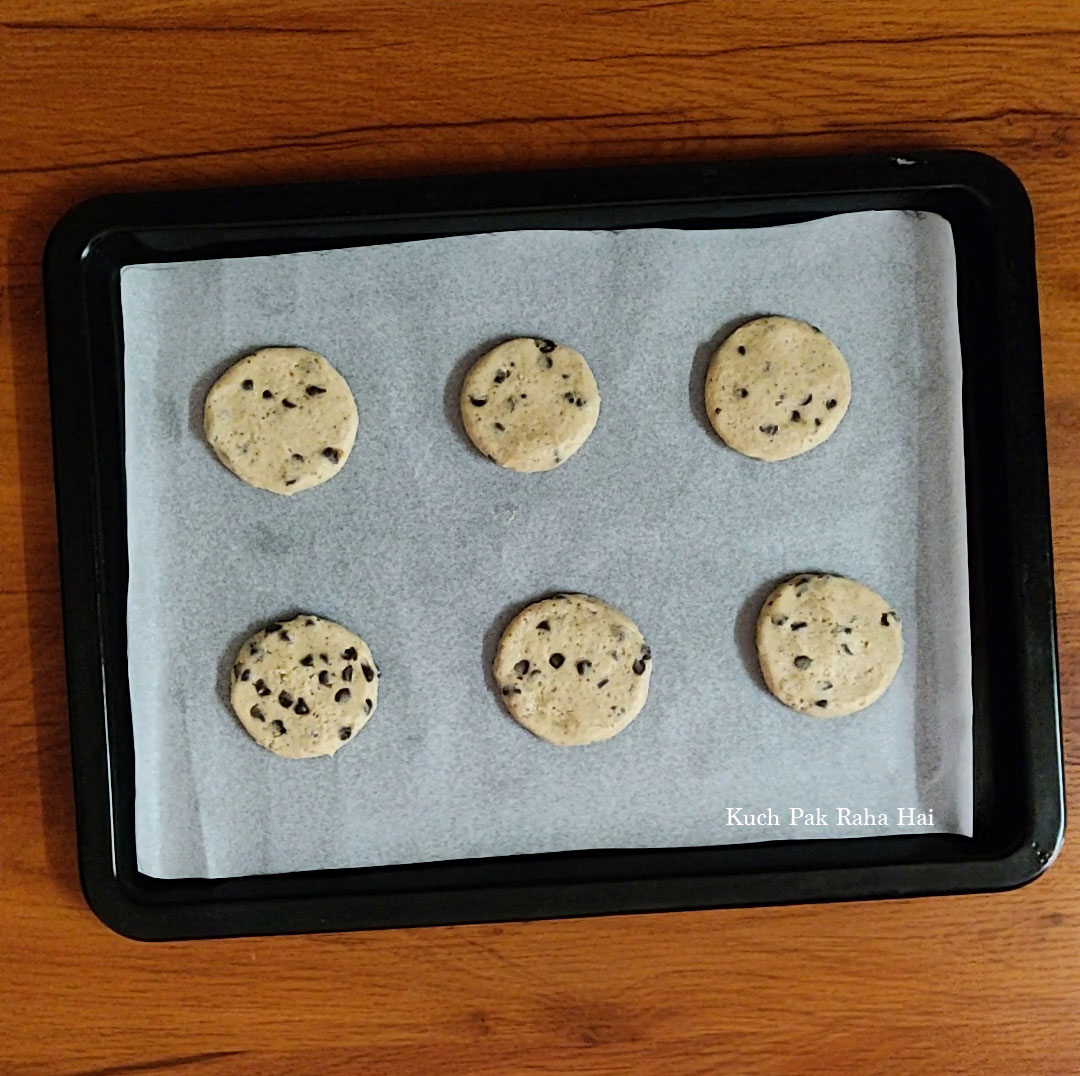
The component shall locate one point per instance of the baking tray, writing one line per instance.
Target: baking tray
(1019, 795)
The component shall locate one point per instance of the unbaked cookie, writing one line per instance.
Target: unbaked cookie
(304, 687)
(573, 669)
(282, 419)
(776, 387)
(827, 645)
(529, 405)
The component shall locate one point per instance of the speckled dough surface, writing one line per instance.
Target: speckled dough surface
(529, 404)
(776, 387)
(827, 645)
(282, 419)
(573, 669)
(304, 687)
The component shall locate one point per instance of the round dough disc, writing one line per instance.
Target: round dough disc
(282, 419)
(827, 645)
(776, 387)
(573, 669)
(529, 404)
(304, 687)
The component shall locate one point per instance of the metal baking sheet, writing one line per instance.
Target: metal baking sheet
(426, 549)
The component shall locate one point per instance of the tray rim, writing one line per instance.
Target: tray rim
(83, 256)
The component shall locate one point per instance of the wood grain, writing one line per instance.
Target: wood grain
(185, 93)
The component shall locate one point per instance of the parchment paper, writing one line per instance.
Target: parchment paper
(426, 549)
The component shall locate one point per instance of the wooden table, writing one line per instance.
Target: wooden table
(186, 93)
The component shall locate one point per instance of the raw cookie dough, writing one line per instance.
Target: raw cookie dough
(573, 669)
(282, 419)
(776, 387)
(828, 646)
(304, 687)
(529, 405)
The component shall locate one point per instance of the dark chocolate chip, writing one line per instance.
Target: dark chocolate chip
(716, 410)
(285, 636)
(825, 685)
(568, 396)
(830, 404)
(802, 662)
(296, 456)
(256, 712)
(638, 666)
(847, 631)
(247, 385)
(344, 732)
(505, 690)
(478, 401)
(254, 648)
(796, 417)
(743, 393)
(543, 626)
(885, 619)
(522, 667)
(309, 622)
(769, 430)
(236, 671)
(307, 660)
(545, 346)
(343, 695)
(349, 653)
(346, 674)
(290, 482)
(287, 403)
(807, 400)
(742, 350)
(580, 402)
(324, 678)
(285, 699)
(646, 653)
(500, 376)
(803, 581)
(277, 728)
(325, 660)
(332, 454)
(366, 670)
(267, 394)
(798, 625)
(524, 395)
(367, 706)
(822, 703)
(846, 649)
(817, 422)
(499, 426)
(271, 628)
(583, 667)
(556, 660)
(314, 390)
(779, 621)
(245, 675)
(301, 707)
(603, 683)
(261, 689)
(548, 363)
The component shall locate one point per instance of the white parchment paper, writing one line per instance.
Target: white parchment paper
(426, 549)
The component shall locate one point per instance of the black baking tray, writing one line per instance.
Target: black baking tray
(1019, 790)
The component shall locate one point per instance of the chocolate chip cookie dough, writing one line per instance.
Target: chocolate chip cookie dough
(776, 387)
(573, 669)
(282, 419)
(529, 404)
(827, 645)
(304, 687)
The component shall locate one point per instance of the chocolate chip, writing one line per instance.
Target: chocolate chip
(885, 619)
(807, 400)
(802, 662)
(267, 394)
(603, 683)
(522, 667)
(846, 649)
(638, 666)
(309, 621)
(743, 393)
(254, 648)
(548, 364)
(314, 390)
(245, 675)
(367, 706)
(716, 410)
(779, 621)
(798, 625)
(556, 660)
(500, 376)
(247, 385)
(256, 712)
(271, 628)
(545, 346)
(524, 395)
(847, 631)
(499, 426)
(368, 674)
(817, 422)
(822, 703)
(301, 707)
(583, 667)
(568, 396)
(343, 695)
(349, 653)
(769, 430)
(287, 403)
(803, 581)
(830, 404)
(346, 674)
(742, 350)
(796, 417)
(296, 456)
(825, 685)
(277, 728)
(332, 454)
(478, 401)
(307, 660)
(290, 482)
(261, 689)
(285, 699)
(285, 636)
(325, 660)
(344, 732)
(236, 671)
(505, 690)
(543, 626)
(324, 678)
